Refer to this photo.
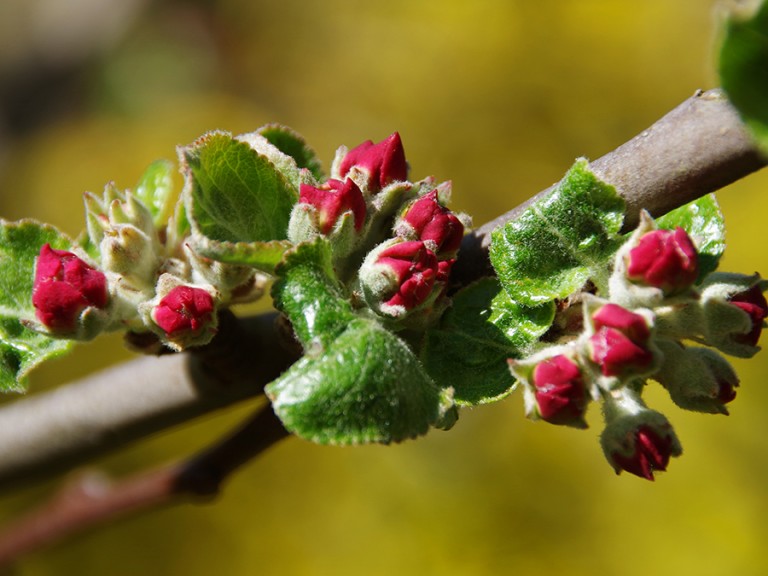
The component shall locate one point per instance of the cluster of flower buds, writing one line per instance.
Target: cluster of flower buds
(127, 278)
(408, 263)
(657, 303)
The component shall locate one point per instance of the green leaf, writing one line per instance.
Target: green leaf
(357, 382)
(482, 329)
(264, 256)
(155, 190)
(21, 349)
(291, 143)
(366, 386)
(743, 69)
(233, 193)
(704, 222)
(309, 294)
(560, 242)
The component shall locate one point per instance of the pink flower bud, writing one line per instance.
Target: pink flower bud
(434, 224)
(415, 268)
(63, 287)
(332, 199)
(560, 392)
(384, 162)
(184, 309)
(751, 301)
(664, 259)
(650, 450)
(619, 344)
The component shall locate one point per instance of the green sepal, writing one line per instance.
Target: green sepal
(705, 224)
(21, 349)
(477, 335)
(233, 193)
(293, 144)
(365, 386)
(560, 242)
(155, 190)
(743, 69)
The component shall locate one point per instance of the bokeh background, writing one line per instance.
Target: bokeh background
(498, 95)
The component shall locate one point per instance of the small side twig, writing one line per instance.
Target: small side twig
(92, 500)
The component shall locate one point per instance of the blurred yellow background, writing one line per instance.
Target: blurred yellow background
(498, 95)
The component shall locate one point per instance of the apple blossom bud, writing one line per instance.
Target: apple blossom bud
(64, 286)
(331, 200)
(734, 310)
(620, 342)
(560, 392)
(383, 163)
(399, 276)
(650, 451)
(184, 309)
(752, 301)
(636, 439)
(432, 223)
(664, 259)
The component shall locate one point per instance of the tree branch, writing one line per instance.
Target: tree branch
(92, 500)
(695, 149)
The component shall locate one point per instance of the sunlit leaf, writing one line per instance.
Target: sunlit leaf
(559, 243)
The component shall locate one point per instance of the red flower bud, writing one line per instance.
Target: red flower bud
(651, 451)
(751, 301)
(184, 309)
(434, 223)
(664, 259)
(64, 286)
(619, 344)
(560, 392)
(416, 270)
(332, 199)
(384, 162)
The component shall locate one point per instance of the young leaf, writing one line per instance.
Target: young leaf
(743, 69)
(233, 193)
(21, 349)
(357, 382)
(560, 242)
(481, 330)
(704, 222)
(155, 190)
(291, 143)
(366, 386)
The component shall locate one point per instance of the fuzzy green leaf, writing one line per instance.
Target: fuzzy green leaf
(743, 69)
(155, 190)
(263, 256)
(365, 386)
(560, 242)
(21, 349)
(357, 382)
(481, 330)
(704, 222)
(309, 294)
(233, 193)
(291, 143)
